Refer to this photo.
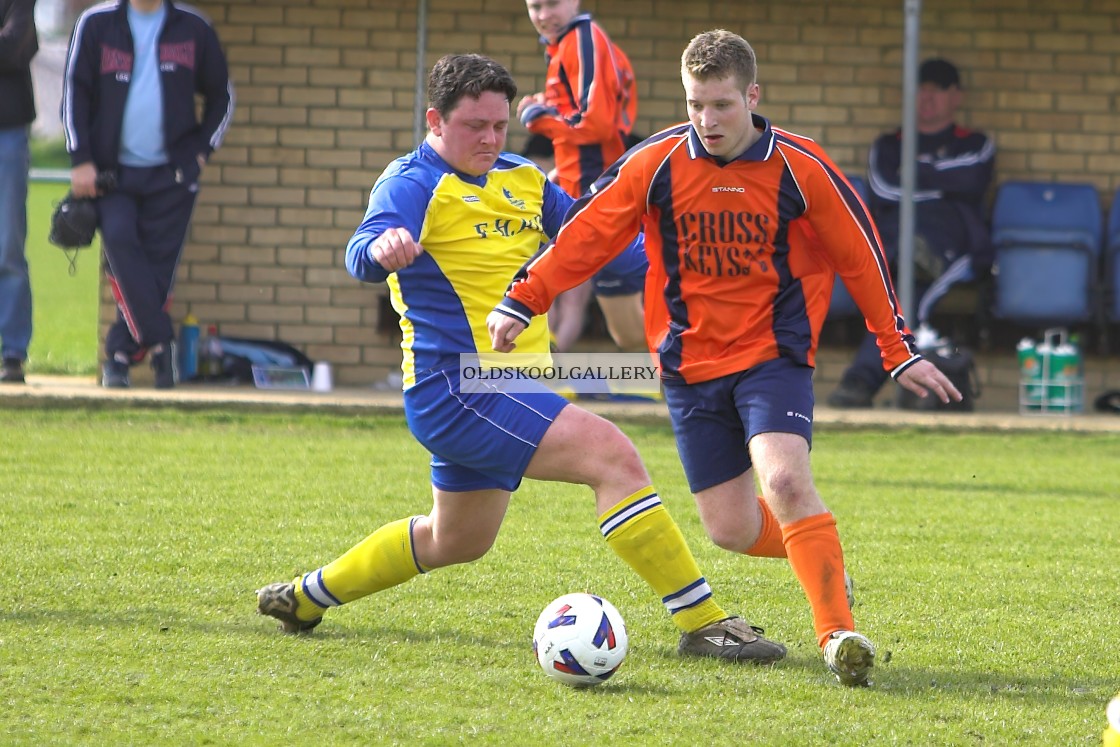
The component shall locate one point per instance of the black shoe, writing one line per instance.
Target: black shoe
(12, 372)
(851, 395)
(279, 601)
(734, 639)
(114, 374)
(163, 363)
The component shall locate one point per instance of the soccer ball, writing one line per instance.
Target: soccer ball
(580, 640)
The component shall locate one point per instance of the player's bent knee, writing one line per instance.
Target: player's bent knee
(726, 538)
(629, 340)
(617, 453)
(784, 485)
(585, 448)
(611, 455)
(461, 549)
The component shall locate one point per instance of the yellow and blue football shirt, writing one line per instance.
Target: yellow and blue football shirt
(477, 232)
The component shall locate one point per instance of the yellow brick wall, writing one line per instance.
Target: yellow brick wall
(325, 101)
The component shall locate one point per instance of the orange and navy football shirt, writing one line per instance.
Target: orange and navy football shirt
(742, 254)
(590, 100)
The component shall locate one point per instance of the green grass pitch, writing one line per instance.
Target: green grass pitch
(133, 540)
(64, 305)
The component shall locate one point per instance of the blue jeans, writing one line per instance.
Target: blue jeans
(15, 282)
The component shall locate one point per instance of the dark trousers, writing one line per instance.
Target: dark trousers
(950, 241)
(143, 226)
(867, 369)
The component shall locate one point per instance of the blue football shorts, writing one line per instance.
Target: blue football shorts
(713, 421)
(478, 440)
(625, 274)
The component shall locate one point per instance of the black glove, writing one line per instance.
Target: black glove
(74, 222)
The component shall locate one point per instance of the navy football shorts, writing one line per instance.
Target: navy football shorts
(625, 274)
(713, 421)
(478, 440)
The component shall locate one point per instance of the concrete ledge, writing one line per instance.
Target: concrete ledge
(64, 391)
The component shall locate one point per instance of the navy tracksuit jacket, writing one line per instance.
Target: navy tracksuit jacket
(144, 220)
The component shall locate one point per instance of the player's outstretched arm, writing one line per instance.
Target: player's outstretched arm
(923, 378)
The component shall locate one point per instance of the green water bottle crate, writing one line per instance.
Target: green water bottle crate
(1051, 375)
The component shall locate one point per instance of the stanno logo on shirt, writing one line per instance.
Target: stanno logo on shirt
(728, 189)
(471, 198)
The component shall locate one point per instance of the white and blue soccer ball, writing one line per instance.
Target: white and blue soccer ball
(580, 640)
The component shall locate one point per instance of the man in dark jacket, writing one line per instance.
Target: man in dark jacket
(128, 109)
(951, 239)
(18, 44)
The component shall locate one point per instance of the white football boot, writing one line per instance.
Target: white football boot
(850, 656)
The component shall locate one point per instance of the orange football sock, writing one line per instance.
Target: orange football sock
(770, 543)
(813, 546)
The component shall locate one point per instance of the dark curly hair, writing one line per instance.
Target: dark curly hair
(457, 75)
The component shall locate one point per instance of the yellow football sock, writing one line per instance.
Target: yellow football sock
(306, 610)
(380, 561)
(642, 533)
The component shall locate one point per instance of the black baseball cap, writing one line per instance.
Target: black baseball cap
(940, 72)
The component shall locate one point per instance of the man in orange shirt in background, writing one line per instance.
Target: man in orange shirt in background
(587, 109)
(590, 99)
(746, 226)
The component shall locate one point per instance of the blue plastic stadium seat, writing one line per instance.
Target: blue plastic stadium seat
(1112, 259)
(1047, 239)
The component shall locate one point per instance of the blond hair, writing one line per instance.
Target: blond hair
(717, 54)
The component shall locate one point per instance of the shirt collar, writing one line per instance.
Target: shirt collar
(571, 25)
(760, 150)
(428, 153)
